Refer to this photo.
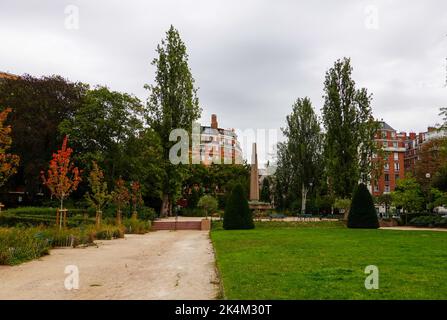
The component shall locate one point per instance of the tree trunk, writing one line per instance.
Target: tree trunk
(304, 191)
(165, 206)
(118, 217)
(61, 214)
(346, 214)
(98, 218)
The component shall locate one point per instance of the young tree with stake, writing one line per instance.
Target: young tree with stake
(120, 197)
(99, 195)
(62, 176)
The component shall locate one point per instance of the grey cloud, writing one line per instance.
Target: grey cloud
(251, 59)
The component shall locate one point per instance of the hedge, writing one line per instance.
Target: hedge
(429, 221)
(362, 213)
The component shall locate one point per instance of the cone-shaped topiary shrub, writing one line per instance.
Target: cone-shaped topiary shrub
(362, 213)
(237, 214)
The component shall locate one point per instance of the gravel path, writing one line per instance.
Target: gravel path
(414, 228)
(158, 265)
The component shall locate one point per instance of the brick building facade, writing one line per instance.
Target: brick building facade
(401, 153)
(393, 159)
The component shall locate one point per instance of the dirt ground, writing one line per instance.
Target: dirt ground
(158, 265)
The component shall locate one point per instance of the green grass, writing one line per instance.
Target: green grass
(324, 260)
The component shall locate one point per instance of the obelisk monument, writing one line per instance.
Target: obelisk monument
(254, 180)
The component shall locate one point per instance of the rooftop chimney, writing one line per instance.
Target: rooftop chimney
(214, 121)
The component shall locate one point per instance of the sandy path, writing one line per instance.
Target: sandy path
(414, 229)
(158, 265)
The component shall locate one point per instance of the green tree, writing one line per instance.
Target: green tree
(99, 195)
(38, 106)
(121, 198)
(408, 195)
(386, 200)
(438, 198)
(304, 144)
(237, 214)
(172, 104)
(193, 198)
(208, 203)
(282, 180)
(443, 114)
(136, 198)
(440, 179)
(362, 213)
(343, 204)
(265, 190)
(102, 127)
(350, 129)
(367, 145)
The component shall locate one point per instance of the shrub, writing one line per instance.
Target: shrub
(22, 244)
(45, 211)
(146, 213)
(188, 212)
(18, 245)
(67, 237)
(429, 221)
(208, 204)
(136, 226)
(109, 232)
(193, 198)
(8, 219)
(237, 214)
(362, 213)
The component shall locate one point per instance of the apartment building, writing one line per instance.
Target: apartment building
(393, 158)
(218, 145)
(414, 145)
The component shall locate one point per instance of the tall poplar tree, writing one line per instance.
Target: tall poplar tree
(304, 144)
(172, 104)
(350, 130)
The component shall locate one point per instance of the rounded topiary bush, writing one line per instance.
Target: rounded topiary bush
(362, 213)
(237, 214)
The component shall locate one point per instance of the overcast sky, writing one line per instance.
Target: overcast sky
(250, 59)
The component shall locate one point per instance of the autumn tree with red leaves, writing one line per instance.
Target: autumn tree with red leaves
(62, 176)
(135, 197)
(8, 161)
(120, 197)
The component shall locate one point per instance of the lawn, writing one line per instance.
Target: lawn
(325, 260)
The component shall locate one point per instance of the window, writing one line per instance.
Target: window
(396, 156)
(387, 188)
(387, 177)
(383, 134)
(385, 144)
(396, 166)
(395, 144)
(393, 135)
(396, 177)
(376, 188)
(386, 166)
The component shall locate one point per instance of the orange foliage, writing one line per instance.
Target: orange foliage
(8, 162)
(62, 176)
